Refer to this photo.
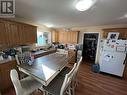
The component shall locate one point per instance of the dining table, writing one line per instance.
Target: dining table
(45, 69)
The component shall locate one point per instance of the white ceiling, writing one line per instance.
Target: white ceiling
(62, 13)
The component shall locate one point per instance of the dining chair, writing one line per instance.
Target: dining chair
(21, 74)
(60, 85)
(62, 51)
(74, 80)
(25, 86)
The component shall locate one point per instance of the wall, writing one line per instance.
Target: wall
(42, 29)
(96, 29)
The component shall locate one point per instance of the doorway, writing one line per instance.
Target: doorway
(90, 43)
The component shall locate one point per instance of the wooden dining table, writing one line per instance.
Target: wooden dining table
(46, 68)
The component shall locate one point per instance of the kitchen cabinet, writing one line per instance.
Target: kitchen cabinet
(3, 35)
(62, 37)
(54, 36)
(14, 33)
(5, 81)
(122, 31)
(21, 34)
(29, 34)
(70, 37)
(74, 37)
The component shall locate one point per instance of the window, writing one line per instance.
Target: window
(43, 38)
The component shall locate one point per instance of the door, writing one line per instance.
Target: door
(90, 46)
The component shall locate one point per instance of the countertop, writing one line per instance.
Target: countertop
(36, 54)
(6, 60)
(43, 52)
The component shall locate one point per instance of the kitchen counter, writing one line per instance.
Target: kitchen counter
(41, 53)
(6, 60)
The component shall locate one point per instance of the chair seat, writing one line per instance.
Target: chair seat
(55, 86)
(65, 71)
(22, 75)
(29, 85)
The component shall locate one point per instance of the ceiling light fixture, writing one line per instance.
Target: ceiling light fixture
(48, 25)
(83, 5)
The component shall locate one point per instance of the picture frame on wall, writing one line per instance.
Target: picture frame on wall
(113, 35)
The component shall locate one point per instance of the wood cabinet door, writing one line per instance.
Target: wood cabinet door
(33, 33)
(21, 34)
(5, 80)
(122, 31)
(3, 35)
(54, 35)
(73, 37)
(69, 37)
(65, 38)
(27, 34)
(30, 34)
(13, 34)
(61, 38)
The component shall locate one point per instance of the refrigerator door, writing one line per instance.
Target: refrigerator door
(112, 62)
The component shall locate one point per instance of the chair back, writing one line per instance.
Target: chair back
(16, 82)
(17, 59)
(23, 58)
(75, 72)
(67, 80)
(77, 67)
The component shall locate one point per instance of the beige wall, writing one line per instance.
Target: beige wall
(96, 29)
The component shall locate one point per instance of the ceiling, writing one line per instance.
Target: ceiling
(62, 13)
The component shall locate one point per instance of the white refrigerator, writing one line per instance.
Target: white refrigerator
(113, 58)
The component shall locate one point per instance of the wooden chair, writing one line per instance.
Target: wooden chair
(61, 85)
(25, 86)
(21, 74)
(75, 81)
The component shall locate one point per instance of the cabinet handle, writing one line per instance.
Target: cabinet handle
(125, 61)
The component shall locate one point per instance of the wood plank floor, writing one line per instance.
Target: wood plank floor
(99, 84)
(94, 84)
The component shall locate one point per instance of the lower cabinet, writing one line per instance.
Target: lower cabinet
(5, 81)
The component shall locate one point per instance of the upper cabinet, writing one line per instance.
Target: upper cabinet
(62, 37)
(29, 34)
(68, 37)
(54, 35)
(122, 31)
(4, 41)
(14, 33)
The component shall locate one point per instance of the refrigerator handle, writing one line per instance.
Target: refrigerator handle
(125, 61)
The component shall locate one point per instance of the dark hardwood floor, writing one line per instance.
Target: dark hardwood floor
(91, 83)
